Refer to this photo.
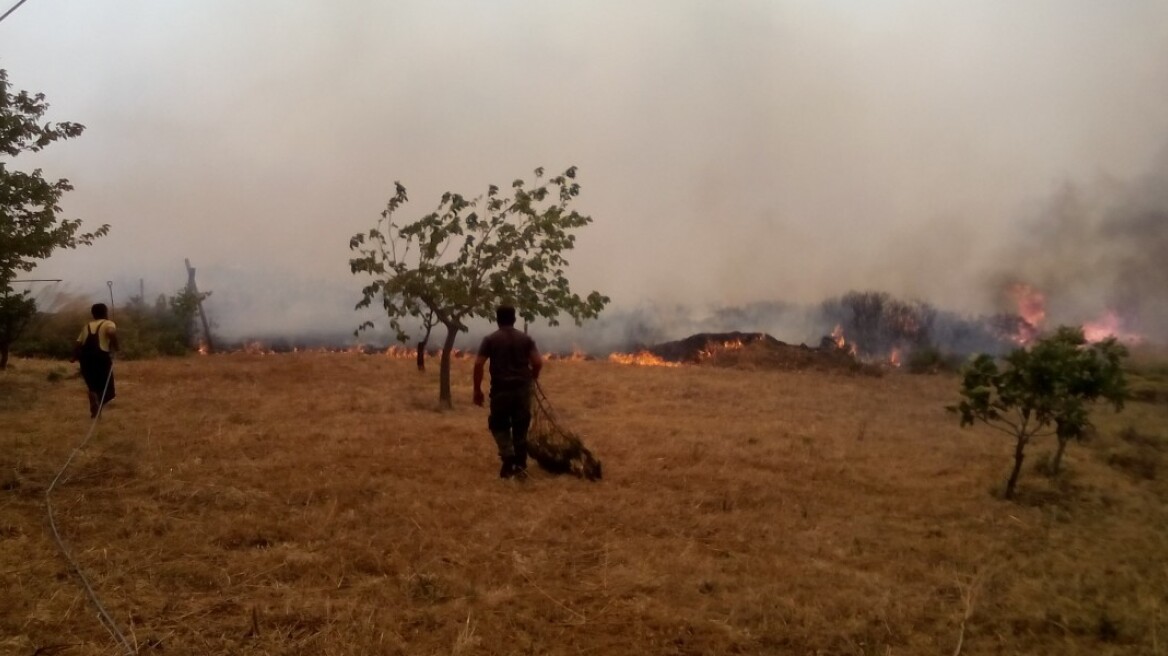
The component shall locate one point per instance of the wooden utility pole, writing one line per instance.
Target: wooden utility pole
(194, 290)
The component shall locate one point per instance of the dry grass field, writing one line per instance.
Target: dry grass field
(318, 503)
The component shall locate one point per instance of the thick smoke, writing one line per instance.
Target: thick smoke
(746, 160)
(1100, 252)
(632, 329)
(875, 324)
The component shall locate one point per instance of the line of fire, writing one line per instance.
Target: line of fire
(871, 331)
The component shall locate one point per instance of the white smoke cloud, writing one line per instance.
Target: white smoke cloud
(730, 152)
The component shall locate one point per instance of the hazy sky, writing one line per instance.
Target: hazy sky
(728, 151)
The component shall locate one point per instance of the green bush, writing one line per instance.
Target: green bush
(52, 333)
(145, 330)
(931, 360)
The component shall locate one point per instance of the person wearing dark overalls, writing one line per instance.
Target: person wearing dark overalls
(515, 365)
(98, 339)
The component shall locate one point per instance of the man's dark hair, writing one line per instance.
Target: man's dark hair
(505, 315)
(99, 311)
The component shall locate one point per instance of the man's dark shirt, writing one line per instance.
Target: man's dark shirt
(509, 351)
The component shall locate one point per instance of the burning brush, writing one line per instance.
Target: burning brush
(556, 449)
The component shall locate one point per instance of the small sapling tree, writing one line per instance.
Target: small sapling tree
(1044, 390)
(462, 259)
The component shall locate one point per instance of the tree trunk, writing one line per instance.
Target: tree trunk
(444, 400)
(1018, 457)
(422, 347)
(194, 290)
(1058, 457)
(3, 356)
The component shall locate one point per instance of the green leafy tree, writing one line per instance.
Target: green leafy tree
(16, 311)
(167, 327)
(30, 224)
(1043, 391)
(461, 260)
(184, 311)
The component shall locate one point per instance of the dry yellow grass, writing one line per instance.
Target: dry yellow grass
(318, 504)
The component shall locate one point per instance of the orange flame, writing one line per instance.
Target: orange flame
(398, 351)
(575, 356)
(256, 348)
(1031, 303)
(1031, 306)
(1109, 325)
(841, 342)
(714, 348)
(641, 358)
(894, 357)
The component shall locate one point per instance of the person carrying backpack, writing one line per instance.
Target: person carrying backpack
(98, 339)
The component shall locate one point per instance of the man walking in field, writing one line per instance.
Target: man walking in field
(515, 365)
(94, 345)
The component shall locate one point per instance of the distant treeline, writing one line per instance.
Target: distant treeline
(875, 324)
(145, 330)
(878, 323)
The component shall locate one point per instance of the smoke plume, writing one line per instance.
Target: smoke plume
(741, 154)
(1099, 250)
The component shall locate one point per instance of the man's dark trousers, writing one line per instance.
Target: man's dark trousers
(510, 418)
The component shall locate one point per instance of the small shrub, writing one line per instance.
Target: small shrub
(931, 360)
(1141, 463)
(1044, 464)
(1108, 629)
(1131, 435)
(421, 586)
